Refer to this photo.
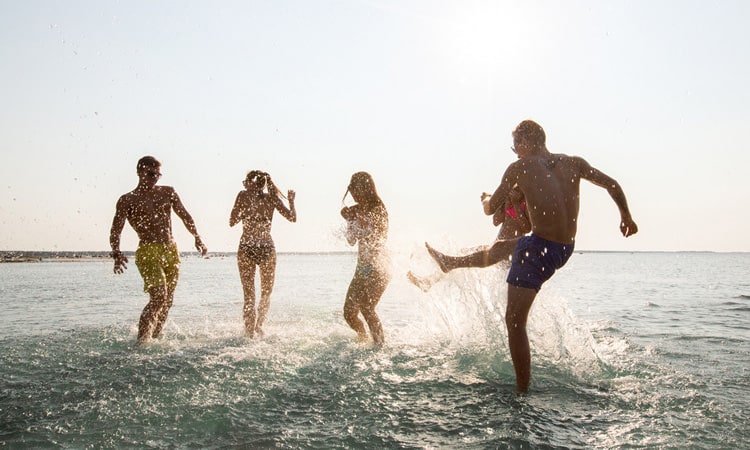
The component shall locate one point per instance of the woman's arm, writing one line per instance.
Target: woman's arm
(237, 211)
(349, 213)
(289, 213)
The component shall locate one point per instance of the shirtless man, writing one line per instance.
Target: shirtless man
(148, 209)
(550, 183)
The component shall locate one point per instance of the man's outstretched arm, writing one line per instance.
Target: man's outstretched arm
(187, 219)
(628, 227)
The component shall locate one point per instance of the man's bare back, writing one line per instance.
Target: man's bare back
(551, 184)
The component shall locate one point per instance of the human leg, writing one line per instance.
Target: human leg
(374, 288)
(484, 257)
(148, 319)
(535, 260)
(267, 277)
(247, 277)
(500, 250)
(161, 314)
(516, 314)
(374, 324)
(171, 268)
(159, 265)
(354, 296)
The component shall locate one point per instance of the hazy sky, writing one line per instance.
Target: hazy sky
(422, 94)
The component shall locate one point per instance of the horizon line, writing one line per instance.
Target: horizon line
(105, 253)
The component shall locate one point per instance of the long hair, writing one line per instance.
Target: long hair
(363, 183)
(258, 176)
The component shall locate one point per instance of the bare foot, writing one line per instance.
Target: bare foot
(438, 257)
(422, 283)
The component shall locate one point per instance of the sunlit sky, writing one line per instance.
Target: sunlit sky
(421, 94)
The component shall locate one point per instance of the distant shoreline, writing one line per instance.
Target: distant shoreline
(72, 256)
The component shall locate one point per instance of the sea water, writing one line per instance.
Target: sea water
(628, 350)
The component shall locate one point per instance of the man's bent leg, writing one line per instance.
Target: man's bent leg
(161, 316)
(516, 313)
(157, 298)
(171, 268)
(486, 256)
(501, 251)
(447, 263)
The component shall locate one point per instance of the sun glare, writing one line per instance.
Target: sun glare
(480, 40)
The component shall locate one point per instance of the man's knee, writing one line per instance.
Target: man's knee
(514, 323)
(158, 293)
(520, 300)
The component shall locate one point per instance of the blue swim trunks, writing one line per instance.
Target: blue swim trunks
(535, 260)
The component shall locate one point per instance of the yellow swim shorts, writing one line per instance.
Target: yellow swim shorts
(159, 265)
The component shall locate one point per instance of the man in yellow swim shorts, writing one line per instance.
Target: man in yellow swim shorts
(148, 209)
(159, 265)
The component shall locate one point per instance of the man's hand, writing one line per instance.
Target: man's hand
(121, 262)
(200, 246)
(628, 227)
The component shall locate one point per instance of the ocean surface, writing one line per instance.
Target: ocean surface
(629, 350)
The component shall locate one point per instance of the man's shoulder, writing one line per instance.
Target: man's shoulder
(127, 197)
(154, 194)
(161, 188)
(568, 158)
(167, 193)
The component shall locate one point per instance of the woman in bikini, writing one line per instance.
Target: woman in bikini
(255, 207)
(367, 225)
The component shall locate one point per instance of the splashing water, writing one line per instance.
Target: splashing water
(72, 377)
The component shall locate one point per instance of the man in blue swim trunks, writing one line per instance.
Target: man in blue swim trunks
(550, 183)
(148, 208)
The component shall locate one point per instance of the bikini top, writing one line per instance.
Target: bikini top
(511, 211)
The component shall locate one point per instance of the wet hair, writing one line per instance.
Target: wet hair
(532, 132)
(363, 182)
(257, 176)
(147, 161)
